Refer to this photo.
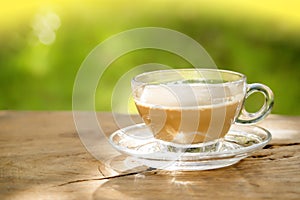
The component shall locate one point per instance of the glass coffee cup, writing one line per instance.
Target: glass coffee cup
(196, 107)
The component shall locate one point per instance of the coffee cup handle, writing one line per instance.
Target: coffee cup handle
(250, 118)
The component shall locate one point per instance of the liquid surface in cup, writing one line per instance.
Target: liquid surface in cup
(189, 113)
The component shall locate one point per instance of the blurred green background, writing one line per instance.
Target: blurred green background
(43, 43)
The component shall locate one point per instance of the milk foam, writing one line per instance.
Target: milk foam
(190, 94)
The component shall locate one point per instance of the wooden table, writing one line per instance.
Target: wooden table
(42, 157)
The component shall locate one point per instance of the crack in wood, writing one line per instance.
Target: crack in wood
(266, 156)
(259, 156)
(98, 179)
(270, 146)
(277, 152)
(105, 178)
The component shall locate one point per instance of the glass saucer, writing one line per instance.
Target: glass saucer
(138, 143)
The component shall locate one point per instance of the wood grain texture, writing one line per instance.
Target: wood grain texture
(42, 157)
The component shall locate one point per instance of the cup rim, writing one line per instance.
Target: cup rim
(242, 77)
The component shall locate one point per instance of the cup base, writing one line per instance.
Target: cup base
(210, 146)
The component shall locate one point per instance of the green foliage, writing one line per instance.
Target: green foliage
(34, 76)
